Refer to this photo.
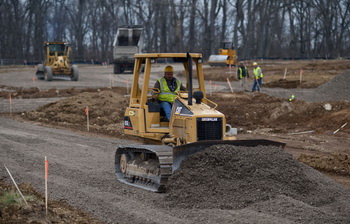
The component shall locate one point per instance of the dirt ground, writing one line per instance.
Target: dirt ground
(58, 211)
(308, 128)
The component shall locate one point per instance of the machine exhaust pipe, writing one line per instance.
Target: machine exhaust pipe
(189, 60)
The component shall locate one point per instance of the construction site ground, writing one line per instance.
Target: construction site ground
(223, 185)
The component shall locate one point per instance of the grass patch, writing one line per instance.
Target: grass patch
(10, 197)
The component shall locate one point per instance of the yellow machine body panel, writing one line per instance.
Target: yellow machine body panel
(57, 56)
(144, 117)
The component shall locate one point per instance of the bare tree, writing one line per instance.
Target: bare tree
(78, 15)
(258, 28)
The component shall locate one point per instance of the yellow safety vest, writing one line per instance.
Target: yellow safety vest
(256, 73)
(165, 93)
(240, 72)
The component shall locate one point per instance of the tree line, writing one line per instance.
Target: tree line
(258, 28)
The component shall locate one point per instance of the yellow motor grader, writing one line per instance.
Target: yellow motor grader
(194, 125)
(56, 63)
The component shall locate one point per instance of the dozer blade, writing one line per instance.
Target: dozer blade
(183, 151)
(144, 166)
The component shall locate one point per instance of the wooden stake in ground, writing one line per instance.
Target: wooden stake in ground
(14, 182)
(111, 81)
(127, 86)
(87, 118)
(228, 81)
(46, 178)
(10, 105)
(301, 74)
(285, 73)
(340, 128)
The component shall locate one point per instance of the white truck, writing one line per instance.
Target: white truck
(127, 42)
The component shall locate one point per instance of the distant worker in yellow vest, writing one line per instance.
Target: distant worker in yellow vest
(243, 75)
(258, 76)
(169, 87)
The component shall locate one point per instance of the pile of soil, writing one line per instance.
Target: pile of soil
(106, 110)
(35, 212)
(232, 177)
(335, 163)
(289, 84)
(34, 92)
(335, 89)
(260, 111)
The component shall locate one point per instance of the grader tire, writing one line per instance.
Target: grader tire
(75, 70)
(40, 72)
(48, 73)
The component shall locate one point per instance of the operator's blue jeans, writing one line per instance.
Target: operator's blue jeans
(257, 85)
(167, 108)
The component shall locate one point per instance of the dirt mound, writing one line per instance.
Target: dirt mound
(106, 110)
(258, 110)
(34, 92)
(336, 89)
(231, 177)
(289, 84)
(335, 163)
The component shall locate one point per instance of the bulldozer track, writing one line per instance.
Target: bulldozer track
(155, 182)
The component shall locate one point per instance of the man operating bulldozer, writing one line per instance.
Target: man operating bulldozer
(168, 86)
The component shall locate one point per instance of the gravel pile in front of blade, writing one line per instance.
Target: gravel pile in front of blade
(259, 178)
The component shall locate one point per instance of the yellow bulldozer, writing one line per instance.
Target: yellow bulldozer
(57, 63)
(194, 125)
(226, 56)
